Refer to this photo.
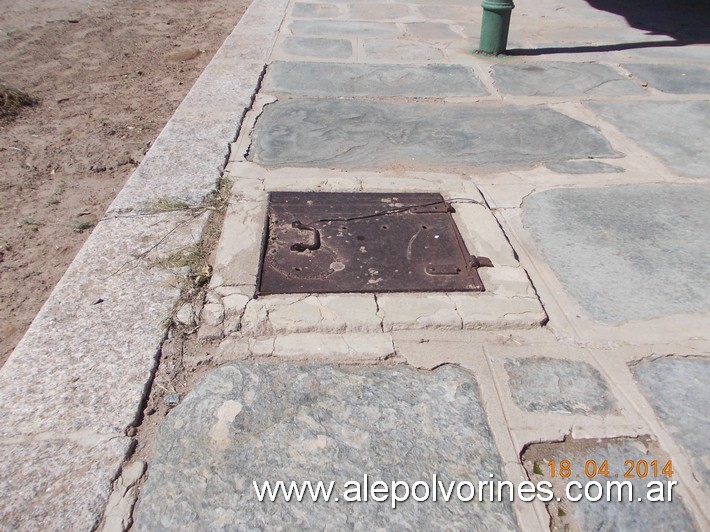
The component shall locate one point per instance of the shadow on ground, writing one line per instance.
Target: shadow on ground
(686, 22)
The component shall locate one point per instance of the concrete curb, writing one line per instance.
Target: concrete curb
(79, 377)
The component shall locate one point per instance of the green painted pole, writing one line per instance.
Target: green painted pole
(494, 28)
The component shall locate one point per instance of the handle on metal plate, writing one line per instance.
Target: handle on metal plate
(300, 246)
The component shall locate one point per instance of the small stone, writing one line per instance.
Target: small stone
(235, 302)
(132, 472)
(208, 333)
(171, 400)
(212, 314)
(213, 298)
(185, 315)
(233, 324)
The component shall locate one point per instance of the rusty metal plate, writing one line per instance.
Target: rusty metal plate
(318, 242)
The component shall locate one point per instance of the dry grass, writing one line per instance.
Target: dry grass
(12, 101)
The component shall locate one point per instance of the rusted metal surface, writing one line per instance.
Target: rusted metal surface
(321, 242)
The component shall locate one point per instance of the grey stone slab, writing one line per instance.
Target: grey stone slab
(431, 31)
(677, 388)
(558, 386)
(453, 13)
(247, 422)
(346, 28)
(561, 79)
(698, 53)
(378, 11)
(88, 357)
(369, 2)
(353, 134)
(627, 253)
(401, 50)
(676, 79)
(303, 10)
(58, 485)
(638, 513)
(472, 31)
(317, 47)
(441, 2)
(674, 131)
(358, 79)
(584, 167)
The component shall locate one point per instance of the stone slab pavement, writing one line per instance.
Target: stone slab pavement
(320, 421)
(578, 163)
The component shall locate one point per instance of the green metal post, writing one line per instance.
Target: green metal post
(494, 28)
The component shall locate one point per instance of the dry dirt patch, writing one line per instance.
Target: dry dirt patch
(108, 75)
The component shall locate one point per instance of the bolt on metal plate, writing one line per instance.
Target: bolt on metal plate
(322, 242)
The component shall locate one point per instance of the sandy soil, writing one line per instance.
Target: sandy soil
(109, 74)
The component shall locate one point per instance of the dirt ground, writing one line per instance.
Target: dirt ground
(108, 74)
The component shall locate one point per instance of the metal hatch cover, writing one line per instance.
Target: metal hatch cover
(332, 242)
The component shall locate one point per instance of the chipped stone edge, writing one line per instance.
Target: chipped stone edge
(118, 515)
(347, 348)
(185, 163)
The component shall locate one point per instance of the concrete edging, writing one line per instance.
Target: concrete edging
(78, 379)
